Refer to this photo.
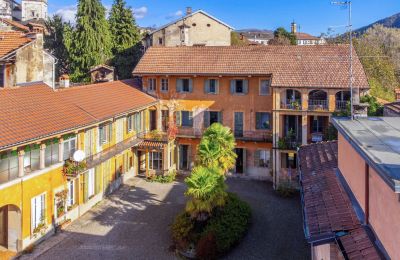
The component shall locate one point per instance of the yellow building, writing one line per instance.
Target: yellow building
(42, 184)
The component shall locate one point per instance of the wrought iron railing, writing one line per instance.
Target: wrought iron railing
(341, 104)
(291, 104)
(317, 104)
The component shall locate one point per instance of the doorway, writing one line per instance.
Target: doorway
(184, 152)
(153, 120)
(141, 155)
(240, 160)
(3, 227)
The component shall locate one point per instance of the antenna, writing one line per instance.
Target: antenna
(349, 26)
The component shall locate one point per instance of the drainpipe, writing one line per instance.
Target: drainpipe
(366, 220)
(54, 72)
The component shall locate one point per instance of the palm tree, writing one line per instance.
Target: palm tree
(216, 148)
(207, 190)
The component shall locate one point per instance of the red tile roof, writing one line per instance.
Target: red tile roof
(36, 111)
(327, 208)
(305, 36)
(290, 66)
(12, 40)
(394, 107)
(15, 24)
(104, 100)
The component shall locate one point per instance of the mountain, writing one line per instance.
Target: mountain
(390, 22)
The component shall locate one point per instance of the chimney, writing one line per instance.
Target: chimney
(64, 81)
(188, 10)
(293, 27)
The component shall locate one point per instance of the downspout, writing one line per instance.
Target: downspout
(54, 73)
(366, 215)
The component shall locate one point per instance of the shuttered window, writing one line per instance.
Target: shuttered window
(211, 117)
(38, 210)
(164, 85)
(184, 85)
(151, 84)
(69, 148)
(211, 86)
(262, 158)
(263, 120)
(265, 87)
(239, 86)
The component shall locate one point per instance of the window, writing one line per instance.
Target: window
(265, 87)
(164, 85)
(69, 147)
(193, 24)
(185, 118)
(184, 85)
(261, 158)
(211, 117)
(89, 181)
(155, 162)
(262, 120)
(105, 133)
(71, 193)
(239, 86)
(317, 124)
(160, 41)
(138, 122)
(2, 76)
(8, 166)
(151, 84)
(211, 86)
(38, 210)
(208, 25)
(31, 158)
(51, 153)
(129, 123)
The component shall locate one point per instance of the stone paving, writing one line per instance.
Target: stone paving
(133, 223)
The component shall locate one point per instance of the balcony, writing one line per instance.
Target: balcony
(318, 105)
(255, 136)
(341, 105)
(286, 143)
(190, 132)
(110, 152)
(291, 104)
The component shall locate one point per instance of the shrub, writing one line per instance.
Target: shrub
(286, 189)
(229, 223)
(162, 178)
(181, 230)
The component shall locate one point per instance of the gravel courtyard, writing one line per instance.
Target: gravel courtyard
(133, 223)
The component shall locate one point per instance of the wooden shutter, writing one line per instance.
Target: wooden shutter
(256, 158)
(217, 86)
(220, 117)
(233, 86)
(206, 86)
(206, 119)
(178, 118)
(190, 85)
(179, 85)
(245, 86)
(85, 186)
(258, 120)
(98, 179)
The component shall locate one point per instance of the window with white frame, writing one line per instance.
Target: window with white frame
(265, 87)
(71, 193)
(129, 123)
(262, 158)
(138, 122)
(155, 162)
(105, 133)
(151, 84)
(38, 206)
(8, 166)
(164, 84)
(69, 147)
(51, 153)
(89, 184)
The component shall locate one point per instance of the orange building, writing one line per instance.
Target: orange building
(274, 98)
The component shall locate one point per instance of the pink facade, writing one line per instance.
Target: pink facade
(380, 203)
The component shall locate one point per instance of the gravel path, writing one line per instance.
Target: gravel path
(133, 223)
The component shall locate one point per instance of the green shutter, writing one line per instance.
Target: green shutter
(190, 85)
(233, 86)
(179, 85)
(206, 86)
(256, 158)
(245, 86)
(206, 119)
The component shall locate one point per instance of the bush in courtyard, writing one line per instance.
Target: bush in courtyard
(286, 190)
(168, 178)
(229, 223)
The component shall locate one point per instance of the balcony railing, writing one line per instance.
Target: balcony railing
(291, 104)
(286, 143)
(317, 104)
(110, 152)
(257, 136)
(341, 104)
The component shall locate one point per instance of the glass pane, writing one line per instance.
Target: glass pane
(35, 162)
(54, 157)
(66, 150)
(47, 156)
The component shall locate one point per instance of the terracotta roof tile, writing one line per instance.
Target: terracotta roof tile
(394, 107)
(290, 66)
(12, 40)
(327, 208)
(305, 36)
(15, 24)
(36, 111)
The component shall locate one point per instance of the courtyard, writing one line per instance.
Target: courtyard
(133, 223)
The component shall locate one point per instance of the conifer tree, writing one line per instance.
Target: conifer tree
(126, 47)
(91, 42)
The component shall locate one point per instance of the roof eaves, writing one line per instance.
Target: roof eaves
(11, 54)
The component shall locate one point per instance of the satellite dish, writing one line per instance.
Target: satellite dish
(78, 156)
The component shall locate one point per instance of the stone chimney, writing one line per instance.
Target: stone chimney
(293, 27)
(64, 81)
(188, 10)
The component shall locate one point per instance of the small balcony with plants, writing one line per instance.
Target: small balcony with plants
(291, 100)
(289, 141)
(318, 100)
(342, 102)
(72, 168)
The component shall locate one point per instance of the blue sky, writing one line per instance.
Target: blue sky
(313, 16)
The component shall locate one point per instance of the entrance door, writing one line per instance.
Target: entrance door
(238, 127)
(141, 155)
(184, 163)
(3, 227)
(240, 160)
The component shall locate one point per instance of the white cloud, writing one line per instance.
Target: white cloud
(177, 14)
(67, 13)
(140, 12)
